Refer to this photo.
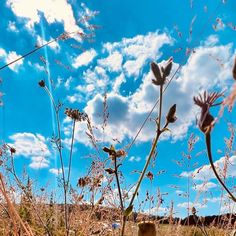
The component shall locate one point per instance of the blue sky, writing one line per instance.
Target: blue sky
(131, 34)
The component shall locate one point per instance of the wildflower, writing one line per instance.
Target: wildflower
(75, 114)
(42, 83)
(171, 118)
(205, 102)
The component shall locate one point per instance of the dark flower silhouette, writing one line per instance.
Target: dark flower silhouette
(205, 102)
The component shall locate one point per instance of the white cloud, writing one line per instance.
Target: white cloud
(84, 59)
(119, 80)
(55, 171)
(209, 67)
(33, 147)
(137, 50)
(2, 52)
(191, 204)
(204, 186)
(9, 57)
(212, 40)
(134, 159)
(39, 162)
(12, 26)
(59, 11)
(54, 45)
(206, 173)
(113, 62)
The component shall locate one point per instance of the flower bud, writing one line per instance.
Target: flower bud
(171, 118)
(168, 67)
(159, 79)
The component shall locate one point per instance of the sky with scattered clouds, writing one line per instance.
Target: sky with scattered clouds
(108, 55)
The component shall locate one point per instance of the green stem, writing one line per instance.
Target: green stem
(158, 133)
(208, 144)
(59, 147)
(118, 184)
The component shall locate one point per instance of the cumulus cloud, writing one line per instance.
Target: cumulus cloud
(205, 172)
(113, 62)
(9, 57)
(12, 27)
(61, 12)
(209, 67)
(134, 159)
(84, 59)
(54, 45)
(191, 204)
(204, 186)
(32, 146)
(55, 171)
(137, 51)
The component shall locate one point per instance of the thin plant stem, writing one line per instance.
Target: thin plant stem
(71, 151)
(28, 197)
(208, 144)
(59, 147)
(158, 133)
(118, 184)
(70, 159)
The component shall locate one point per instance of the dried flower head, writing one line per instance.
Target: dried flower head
(113, 153)
(161, 73)
(75, 114)
(171, 117)
(82, 182)
(205, 102)
(42, 83)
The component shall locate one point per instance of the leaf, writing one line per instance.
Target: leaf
(128, 211)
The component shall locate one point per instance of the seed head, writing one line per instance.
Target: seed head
(75, 114)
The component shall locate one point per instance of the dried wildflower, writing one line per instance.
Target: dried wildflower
(82, 182)
(113, 153)
(159, 80)
(171, 118)
(161, 74)
(205, 102)
(75, 114)
(42, 83)
(150, 175)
